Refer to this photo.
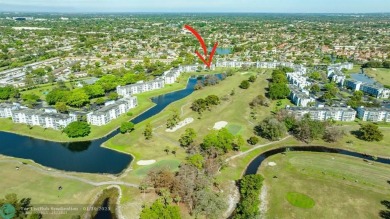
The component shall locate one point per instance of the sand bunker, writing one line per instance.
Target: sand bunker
(271, 164)
(180, 125)
(145, 162)
(220, 125)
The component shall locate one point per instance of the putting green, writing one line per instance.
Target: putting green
(234, 129)
(300, 200)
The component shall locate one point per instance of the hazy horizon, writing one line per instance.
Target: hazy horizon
(200, 6)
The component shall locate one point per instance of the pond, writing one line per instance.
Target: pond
(221, 51)
(86, 156)
(255, 164)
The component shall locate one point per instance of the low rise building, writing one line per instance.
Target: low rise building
(325, 113)
(376, 90)
(41, 118)
(300, 97)
(373, 114)
(6, 110)
(171, 76)
(295, 78)
(111, 111)
(140, 87)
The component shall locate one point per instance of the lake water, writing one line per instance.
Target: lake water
(221, 51)
(86, 156)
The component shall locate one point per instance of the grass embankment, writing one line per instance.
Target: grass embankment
(43, 188)
(144, 102)
(355, 69)
(340, 187)
(382, 75)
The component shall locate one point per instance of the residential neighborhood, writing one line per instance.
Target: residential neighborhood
(179, 109)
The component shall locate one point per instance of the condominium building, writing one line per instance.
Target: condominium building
(325, 113)
(376, 90)
(6, 110)
(373, 114)
(41, 118)
(111, 111)
(171, 76)
(140, 87)
(300, 97)
(298, 80)
(338, 78)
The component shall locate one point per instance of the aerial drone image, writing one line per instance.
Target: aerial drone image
(223, 109)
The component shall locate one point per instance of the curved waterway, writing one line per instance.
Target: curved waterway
(86, 156)
(255, 163)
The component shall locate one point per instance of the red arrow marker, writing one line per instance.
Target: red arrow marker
(203, 44)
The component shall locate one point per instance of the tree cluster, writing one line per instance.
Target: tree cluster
(173, 120)
(270, 128)
(370, 132)
(126, 127)
(8, 92)
(278, 88)
(77, 129)
(260, 100)
(245, 84)
(250, 188)
(191, 186)
(200, 105)
(222, 140)
(209, 80)
(188, 137)
(376, 64)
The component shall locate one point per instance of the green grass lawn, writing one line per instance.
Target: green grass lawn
(234, 109)
(315, 185)
(43, 188)
(382, 75)
(234, 129)
(43, 89)
(300, 200)
(170, 164)
(355, 69)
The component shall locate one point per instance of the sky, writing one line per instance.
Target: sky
(272, 6)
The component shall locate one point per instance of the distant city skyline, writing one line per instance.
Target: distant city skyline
(271, 6)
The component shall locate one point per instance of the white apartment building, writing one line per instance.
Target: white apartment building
(36, 117)
(171, 76)
(140, 87)
(325, 113)
(375, 90)
(6, 110)
(298, 80)
(111, 111)
(373, 114)
(300, 97)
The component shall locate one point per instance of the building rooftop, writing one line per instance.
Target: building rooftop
(376, 109)
(32, 112)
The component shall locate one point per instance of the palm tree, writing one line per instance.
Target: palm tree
(166, 150)
(173, 151)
